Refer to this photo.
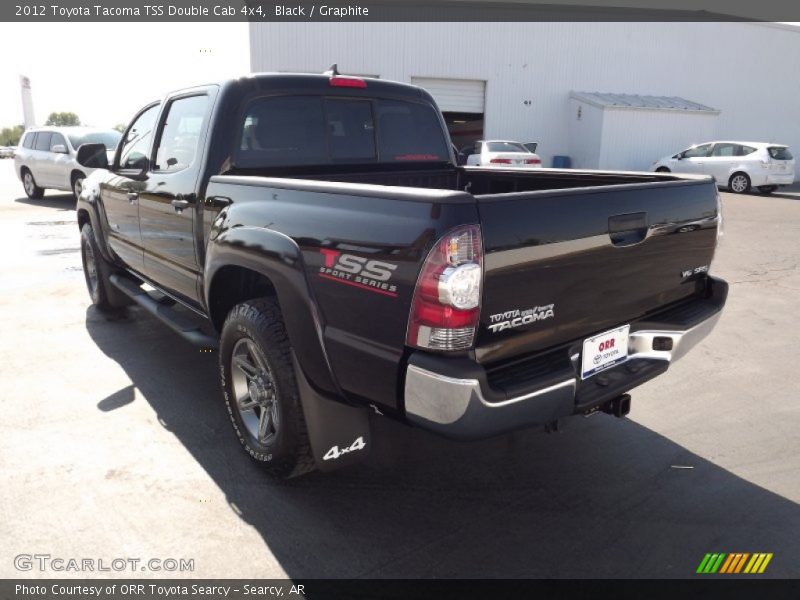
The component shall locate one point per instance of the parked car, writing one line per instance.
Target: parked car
(737, 166)
(500, 153)
(6, 151)
(45, 158)
(320, 232)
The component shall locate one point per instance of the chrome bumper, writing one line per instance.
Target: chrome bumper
(457, 407)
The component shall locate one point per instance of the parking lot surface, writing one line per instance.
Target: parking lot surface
(115, 443)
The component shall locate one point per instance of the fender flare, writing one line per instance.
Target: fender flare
(91, 208)
(278, 258)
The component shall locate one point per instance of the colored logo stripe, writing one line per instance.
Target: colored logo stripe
(722, 562)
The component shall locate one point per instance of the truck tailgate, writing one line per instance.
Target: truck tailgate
(566, 264)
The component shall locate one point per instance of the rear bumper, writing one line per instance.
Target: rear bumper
(454, 397)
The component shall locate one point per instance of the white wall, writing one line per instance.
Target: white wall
(585, 135)
(633, 139)
(746, 70)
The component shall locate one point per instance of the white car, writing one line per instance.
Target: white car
(45, 158)
(500, 153)
(738, 166)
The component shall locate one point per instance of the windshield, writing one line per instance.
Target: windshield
(506, 147)
(109, 139)
(780, 153)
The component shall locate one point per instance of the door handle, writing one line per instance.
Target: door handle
(180, 204)
(133, 197)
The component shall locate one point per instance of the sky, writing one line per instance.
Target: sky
(105, 72)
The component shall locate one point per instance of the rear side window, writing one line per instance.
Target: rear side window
(29, 138)
(725, 150)
(780, 153)
(745, 150)
(312, 130)
(43, 141)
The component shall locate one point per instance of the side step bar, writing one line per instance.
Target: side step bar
(183, 326)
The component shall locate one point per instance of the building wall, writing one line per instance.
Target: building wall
(746, 70)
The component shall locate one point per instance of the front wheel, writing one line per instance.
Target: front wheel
(33, 191)
(260, 389)
(739, 183)
(97, 272)
(77, 184)
(662, 170)
(767, 189)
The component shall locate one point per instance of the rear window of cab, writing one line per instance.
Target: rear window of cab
(314, 130)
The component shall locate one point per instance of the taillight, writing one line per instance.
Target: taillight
(343, 81)
(446, 305)
(533, 161)
(500, 161)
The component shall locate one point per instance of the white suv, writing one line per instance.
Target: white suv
(45, 158)
(739, 166)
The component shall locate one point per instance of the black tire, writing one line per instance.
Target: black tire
(76, 182)
(254, 327)
(767, 189)
(663, 170)
(739, 183)
(33, 191)
(97, 271)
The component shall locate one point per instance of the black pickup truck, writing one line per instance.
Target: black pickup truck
(317, 230)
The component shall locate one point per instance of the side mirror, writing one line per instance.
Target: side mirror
(59, 149)
(92, 156)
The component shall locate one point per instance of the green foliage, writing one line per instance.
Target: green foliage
(9, 136)
(120, 127)
(63, 119)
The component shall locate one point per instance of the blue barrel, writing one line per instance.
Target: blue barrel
(562, 162)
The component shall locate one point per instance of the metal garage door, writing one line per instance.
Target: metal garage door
(454, 95)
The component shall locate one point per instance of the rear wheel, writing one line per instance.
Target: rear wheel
(32, 190)
(739, 183)
(662, 170)
(260, 389)
(767, 189)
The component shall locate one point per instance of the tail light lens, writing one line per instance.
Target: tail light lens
(533, 161)
(500, 161)
(344, 81)
(446, 305)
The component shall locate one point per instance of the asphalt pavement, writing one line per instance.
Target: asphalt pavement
(115, 444)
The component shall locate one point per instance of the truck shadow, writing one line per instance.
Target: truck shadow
(604, 498)
(64, 201)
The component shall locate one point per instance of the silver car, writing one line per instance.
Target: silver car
(45, 158)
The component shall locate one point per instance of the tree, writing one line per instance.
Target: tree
(120, 127)
(63, 119)
(9, 136)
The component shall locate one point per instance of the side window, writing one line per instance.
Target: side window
(697, 151)
(56, 140)
(136, 144)
(29, 138)
(725, 150)
(43, 141)
(180, 134)
(745, 150)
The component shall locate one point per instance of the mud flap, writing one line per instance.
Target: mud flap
(339, 433)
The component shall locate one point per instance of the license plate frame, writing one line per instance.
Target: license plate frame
(604, 350)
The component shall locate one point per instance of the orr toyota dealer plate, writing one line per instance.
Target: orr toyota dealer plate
(604, 350)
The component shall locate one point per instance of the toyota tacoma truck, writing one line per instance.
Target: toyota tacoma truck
(317, 232)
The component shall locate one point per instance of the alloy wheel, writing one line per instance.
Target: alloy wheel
(254, 391)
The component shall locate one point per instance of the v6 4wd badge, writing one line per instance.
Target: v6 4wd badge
(518, 318)
(358, 271)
